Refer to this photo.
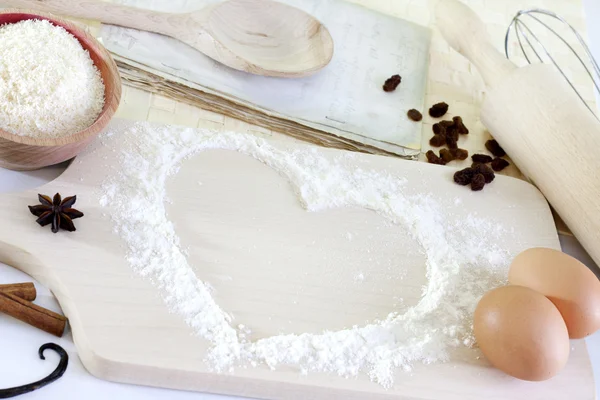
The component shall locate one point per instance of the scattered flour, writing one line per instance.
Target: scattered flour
(49, 86)
(462, 262)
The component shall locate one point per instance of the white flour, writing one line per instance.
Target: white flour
(49, 86)
(462, 261)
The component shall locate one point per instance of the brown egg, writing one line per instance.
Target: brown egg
(521, 333)
(569, 284)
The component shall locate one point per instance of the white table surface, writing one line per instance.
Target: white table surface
(19, 342)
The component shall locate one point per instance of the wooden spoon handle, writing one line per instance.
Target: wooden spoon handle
(108, 13)
(466, 33)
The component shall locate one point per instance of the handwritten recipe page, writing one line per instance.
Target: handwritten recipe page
(345, 99)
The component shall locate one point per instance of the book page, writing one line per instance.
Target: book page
(345, 98)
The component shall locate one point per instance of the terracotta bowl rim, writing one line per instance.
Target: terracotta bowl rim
(112, 89)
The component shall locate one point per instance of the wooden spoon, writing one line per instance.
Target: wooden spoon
(262, 37)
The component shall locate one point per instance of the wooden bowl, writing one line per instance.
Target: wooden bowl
(28, 153)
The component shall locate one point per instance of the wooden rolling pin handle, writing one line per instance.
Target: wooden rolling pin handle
(26, 291)
(466, 33)
(107, 13)
(32, 314)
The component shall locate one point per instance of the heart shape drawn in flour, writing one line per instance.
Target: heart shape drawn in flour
(280, 269)
(332, 187)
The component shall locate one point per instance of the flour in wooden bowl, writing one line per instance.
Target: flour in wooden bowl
(49, 86)
(462, 260)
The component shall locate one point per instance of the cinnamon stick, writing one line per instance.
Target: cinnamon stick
(26, 291)
(32, 314)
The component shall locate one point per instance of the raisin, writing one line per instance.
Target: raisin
(446, 124)
(447, 155)
(437, 140)
(486, 171)
(434, 159)
(499, 164)
(464, 176)
(495, 148)
(460, 126)
(415, 115)
(459, 154)
(452, 132)
(478, 182)
(392, 83)
(439, 129)
(451, 141)
(438, 110)
(481, 158)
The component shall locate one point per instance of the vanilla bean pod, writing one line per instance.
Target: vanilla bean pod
(56, 374)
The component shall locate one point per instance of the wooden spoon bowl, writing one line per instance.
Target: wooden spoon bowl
(28, 153)
(284, 42)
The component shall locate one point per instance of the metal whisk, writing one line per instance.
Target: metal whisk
(528, 38)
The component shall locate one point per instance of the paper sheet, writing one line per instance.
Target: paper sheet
(345, 98)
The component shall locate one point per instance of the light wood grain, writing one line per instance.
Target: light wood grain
(258, 36)
(539, 120)
(125, 333)
(28, 153)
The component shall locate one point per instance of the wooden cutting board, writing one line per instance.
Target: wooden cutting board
(230, 204)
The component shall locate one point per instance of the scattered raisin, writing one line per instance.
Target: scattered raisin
(478, 182)
(415, 115)
(438, 110)
(434, 159)
(486, 171)
(451, 141)
(481, 158)
(392, 83)
(459, 154)
(447, 155)
(460, 126)
(494, 148)
(437, 140)
(439, 129)
(464, 176)
(499, 164)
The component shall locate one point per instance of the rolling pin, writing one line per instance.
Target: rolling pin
(539, 121)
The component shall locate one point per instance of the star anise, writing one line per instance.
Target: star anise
(56, 211)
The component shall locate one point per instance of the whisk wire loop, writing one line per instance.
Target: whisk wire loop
(527, 38)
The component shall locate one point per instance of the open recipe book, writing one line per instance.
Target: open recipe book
(341, 106)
